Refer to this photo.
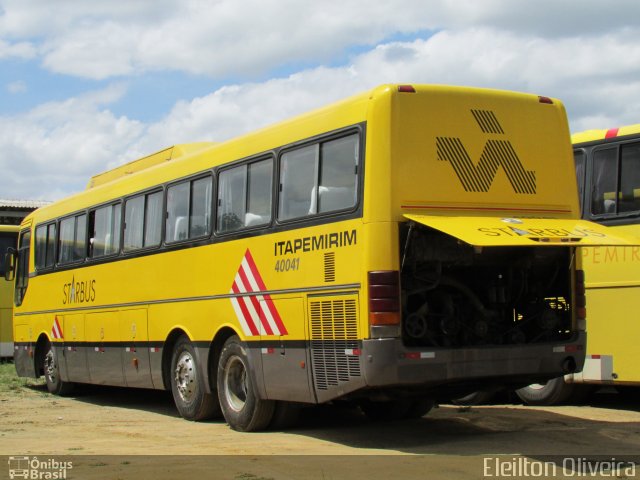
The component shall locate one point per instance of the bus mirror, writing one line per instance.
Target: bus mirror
(9, 263)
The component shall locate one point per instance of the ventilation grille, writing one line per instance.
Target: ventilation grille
(330, 267)
(334, 338)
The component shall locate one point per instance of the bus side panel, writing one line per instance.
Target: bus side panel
(75, 353)
(285, 364)
(135, 353)
(104, 355)
(23, 351)
(613, 300)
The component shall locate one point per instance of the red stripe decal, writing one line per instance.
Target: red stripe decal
(268, 301)
(249, 280)
(612, 133)
(245, 312)
(254, 301)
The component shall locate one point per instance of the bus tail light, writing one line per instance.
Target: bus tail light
(581, 300)
(384, 297)
(406, 89)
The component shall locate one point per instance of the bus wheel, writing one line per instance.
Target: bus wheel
(187, 387)
(51, 370)
(553, 392)
(241, 407)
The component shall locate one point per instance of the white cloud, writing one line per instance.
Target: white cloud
(54, 149)
(591, 62)
(17, 87)
(24, 50)
(225, 38)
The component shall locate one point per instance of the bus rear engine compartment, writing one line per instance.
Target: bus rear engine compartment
(457, 295)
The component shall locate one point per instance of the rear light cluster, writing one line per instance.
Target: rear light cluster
(581, 299)
(384, 297)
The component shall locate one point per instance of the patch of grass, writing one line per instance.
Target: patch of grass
(11, 384)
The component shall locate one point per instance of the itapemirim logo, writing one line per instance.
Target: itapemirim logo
(496, 153)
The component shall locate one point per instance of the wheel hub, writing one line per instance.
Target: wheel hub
(185, 377)
(50, 367)
(236, 383)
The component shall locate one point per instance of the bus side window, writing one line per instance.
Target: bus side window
(298, 179)
(153, 219)
(104, 227)
(244, 196)
(177, 223)
(143, 221)
(200, 207)
(188, 210)
(604, 183)
(259, 188)
(50, 258)
(133, 223)
(338, 174)
(629, 178)
(73, 238)
(41, 246)
(232, 196)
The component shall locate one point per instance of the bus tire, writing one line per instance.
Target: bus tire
(51, 369)
(241, 407)
(187, 385)
(553, 392)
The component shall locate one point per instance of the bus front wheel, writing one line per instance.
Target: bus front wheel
(243, 410)
(187, 387)
(51, 368)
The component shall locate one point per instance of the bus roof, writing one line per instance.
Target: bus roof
(607, 134)
(185, 160)
(165, 155)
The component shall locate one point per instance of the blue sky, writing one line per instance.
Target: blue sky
(87, 85)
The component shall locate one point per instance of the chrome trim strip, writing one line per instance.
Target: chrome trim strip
(195, 299)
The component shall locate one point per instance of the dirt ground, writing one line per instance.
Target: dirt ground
(119, 433)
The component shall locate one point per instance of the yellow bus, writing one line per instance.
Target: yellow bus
(608, 172)
(408, 243)
(8, 241)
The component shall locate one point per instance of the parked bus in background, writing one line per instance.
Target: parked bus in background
(405, 244)
(8, 240)
(608, 171)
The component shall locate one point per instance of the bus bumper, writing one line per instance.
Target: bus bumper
(387, 363)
